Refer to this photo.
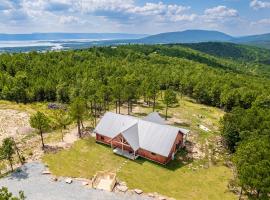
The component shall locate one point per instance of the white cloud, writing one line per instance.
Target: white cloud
(220, 13)
(163, 12)
(260, 22)
(68, 19)
(257, 4)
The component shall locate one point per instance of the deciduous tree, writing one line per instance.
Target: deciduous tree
(169, 99)
(77, 112)
(40, 122)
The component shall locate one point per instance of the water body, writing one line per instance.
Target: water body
(49, 45)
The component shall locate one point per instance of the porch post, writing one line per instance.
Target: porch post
(122, 145)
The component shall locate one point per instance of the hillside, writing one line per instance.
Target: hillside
(186, 37)
(198, 36)
(233, 51)
(193, 88)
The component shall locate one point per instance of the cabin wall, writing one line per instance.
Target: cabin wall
(154, 157)
(142, 152)
(178, 143)
(103, 139)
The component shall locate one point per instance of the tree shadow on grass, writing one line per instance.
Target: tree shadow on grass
(52, 149)
(19, 174)
(181, 124)
(141, 114)
(180, 160)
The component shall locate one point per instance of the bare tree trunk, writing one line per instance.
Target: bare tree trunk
(11, 164)
(82, 124)
(240, 195)
(258, 194)
(116, 106)
(79, 128)
(119, 105)
(154, 103)
(42, 140)
(166, 112)
(62, 134)
(95, 112)
(128, 106)
(18, 153)
(131, 106)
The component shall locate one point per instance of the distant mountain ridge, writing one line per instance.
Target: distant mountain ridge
(68, 36)
(188, 36)
(198, 36)
(70, 40)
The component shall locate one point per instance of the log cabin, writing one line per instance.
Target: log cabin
(150, 137)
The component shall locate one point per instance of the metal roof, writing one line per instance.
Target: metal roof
(131, 135)
(111, 124)
(155, 117)
(151, 136)
(156, 138)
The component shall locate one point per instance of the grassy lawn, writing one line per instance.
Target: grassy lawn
(176, 180)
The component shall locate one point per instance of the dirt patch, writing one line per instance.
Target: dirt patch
(178, 122)
(14, 123)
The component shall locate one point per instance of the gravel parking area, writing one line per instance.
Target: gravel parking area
(39, 187)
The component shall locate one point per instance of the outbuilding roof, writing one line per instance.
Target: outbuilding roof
(155, 117)
(150, 133)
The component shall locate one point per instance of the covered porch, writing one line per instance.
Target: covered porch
(123, 148)
(124, 153)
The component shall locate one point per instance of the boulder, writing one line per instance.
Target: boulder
(85, 183)
(122, 188)
(162, 198)
(151, 195)
(138, 191)
(122, 183)
(68, 180)
(46, 172)
(54, 178)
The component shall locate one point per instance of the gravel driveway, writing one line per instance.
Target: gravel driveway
(40, 187)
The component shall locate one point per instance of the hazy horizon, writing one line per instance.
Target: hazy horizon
(234, 17)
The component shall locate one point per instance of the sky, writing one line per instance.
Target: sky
(235, 17)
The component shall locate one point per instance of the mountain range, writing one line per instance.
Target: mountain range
(198, 36)
(76, 40)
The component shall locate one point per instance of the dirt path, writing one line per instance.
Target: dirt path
(14, 123)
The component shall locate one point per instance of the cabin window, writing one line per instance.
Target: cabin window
(153, 154)
(102, 138)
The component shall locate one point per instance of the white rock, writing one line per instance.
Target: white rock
(151, 195)
(68, 180)
(54, 178)
(122, 188)
(162, 198)
(85, 183)
(46, 172)
(138, 191)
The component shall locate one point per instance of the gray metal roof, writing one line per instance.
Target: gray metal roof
(131, 135)
(152, 136)
(156, 138)
(111, 124)
(155, 117)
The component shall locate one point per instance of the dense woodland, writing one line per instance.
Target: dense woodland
(104, 76)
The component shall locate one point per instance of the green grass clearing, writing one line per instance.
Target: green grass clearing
(176, 180)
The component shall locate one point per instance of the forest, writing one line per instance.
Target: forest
(104, 76)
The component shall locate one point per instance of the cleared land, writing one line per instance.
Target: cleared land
(184, 178)
(39, 187)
